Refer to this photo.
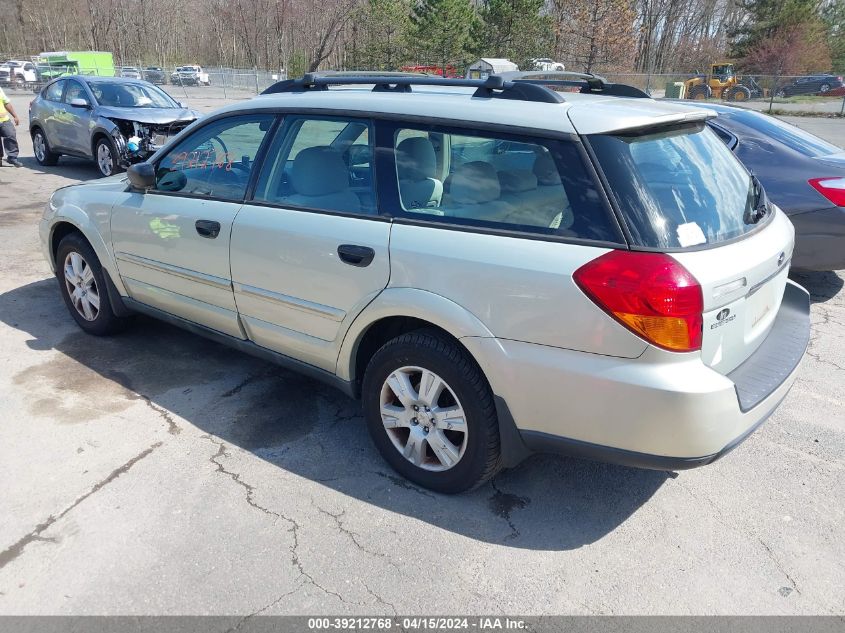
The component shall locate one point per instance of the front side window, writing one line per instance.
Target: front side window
(75, 90)
(321, 163)
(508, 182)
(128, 95)
(53, 92)
(217, 160)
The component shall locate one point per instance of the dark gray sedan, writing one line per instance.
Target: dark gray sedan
(801, 173)
(112, 120)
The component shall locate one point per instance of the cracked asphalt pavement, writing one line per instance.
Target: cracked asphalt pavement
(158, 473)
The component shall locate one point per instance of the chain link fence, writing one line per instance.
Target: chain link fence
(188, 81)
(822, 94)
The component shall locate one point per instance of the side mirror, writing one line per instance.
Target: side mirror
(142, 176)
(183, 104)
(79, 103)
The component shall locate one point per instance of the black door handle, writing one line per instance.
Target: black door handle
(208, 228)
(356, 255)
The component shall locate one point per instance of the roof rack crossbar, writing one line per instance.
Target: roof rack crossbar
(590, 86)
(492, 87)
(588, 82)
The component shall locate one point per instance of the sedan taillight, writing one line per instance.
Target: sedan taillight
(831, 188)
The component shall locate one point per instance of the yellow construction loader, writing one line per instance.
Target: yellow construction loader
(721, 83)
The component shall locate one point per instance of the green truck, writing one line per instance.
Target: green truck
(58, 64)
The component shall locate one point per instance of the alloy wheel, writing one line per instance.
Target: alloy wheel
(39, 146)
(104, 159)
(81, 286)
(423, 418)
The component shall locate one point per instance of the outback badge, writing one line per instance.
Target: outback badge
(723, 316)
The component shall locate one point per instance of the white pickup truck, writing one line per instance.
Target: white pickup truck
(18, 74)
(189, 76)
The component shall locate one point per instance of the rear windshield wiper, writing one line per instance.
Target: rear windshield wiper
(760, 206)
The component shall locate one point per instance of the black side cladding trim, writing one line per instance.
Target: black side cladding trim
(248, 347)
(778, 356)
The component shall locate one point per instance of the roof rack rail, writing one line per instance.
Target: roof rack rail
(587, 82)
(494, 87)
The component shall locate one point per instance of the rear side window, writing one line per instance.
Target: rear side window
(789, 135)
(677, 188)
(503, 181)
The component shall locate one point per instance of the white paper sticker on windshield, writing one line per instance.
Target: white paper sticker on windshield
(690, 234)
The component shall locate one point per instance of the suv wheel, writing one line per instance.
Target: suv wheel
(824, 88)
(430, 412)
(41, 149)
(83, 287)
(106, 156)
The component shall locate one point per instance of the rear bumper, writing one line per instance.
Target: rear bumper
(819, 239)
(660, 411)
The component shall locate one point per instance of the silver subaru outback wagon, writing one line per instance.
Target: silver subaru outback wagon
(493, 267)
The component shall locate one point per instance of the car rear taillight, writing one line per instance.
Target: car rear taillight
(651, 294)
(831, 188)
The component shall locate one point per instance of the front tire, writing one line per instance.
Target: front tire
(105, 153)
(41, 148)
(83, 287)
(430, 412)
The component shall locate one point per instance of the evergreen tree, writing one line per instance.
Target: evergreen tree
(442, 32)
(514, 29)
(833, 14)
(382, 28)
(768, 17)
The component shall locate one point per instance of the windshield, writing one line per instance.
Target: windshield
(128, 95)
(789, 135)
(679, 187)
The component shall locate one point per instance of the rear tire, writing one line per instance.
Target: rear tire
(41, 148)
(824, 88)
(82, 284)
(446, 440)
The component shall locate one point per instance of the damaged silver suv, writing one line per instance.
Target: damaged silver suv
(115, 121)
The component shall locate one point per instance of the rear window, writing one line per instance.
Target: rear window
(789, 135)
(678, 187)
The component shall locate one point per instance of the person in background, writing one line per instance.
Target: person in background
(8, 136)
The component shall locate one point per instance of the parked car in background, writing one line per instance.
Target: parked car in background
(811, 85)
(546, 63)
(18, 74)
(129, 72)
(803, 174)
(154, 74)
(115, 121)
(189, 76)
(483, 291)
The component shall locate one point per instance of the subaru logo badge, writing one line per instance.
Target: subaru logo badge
(722, 314)
(781, 257)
